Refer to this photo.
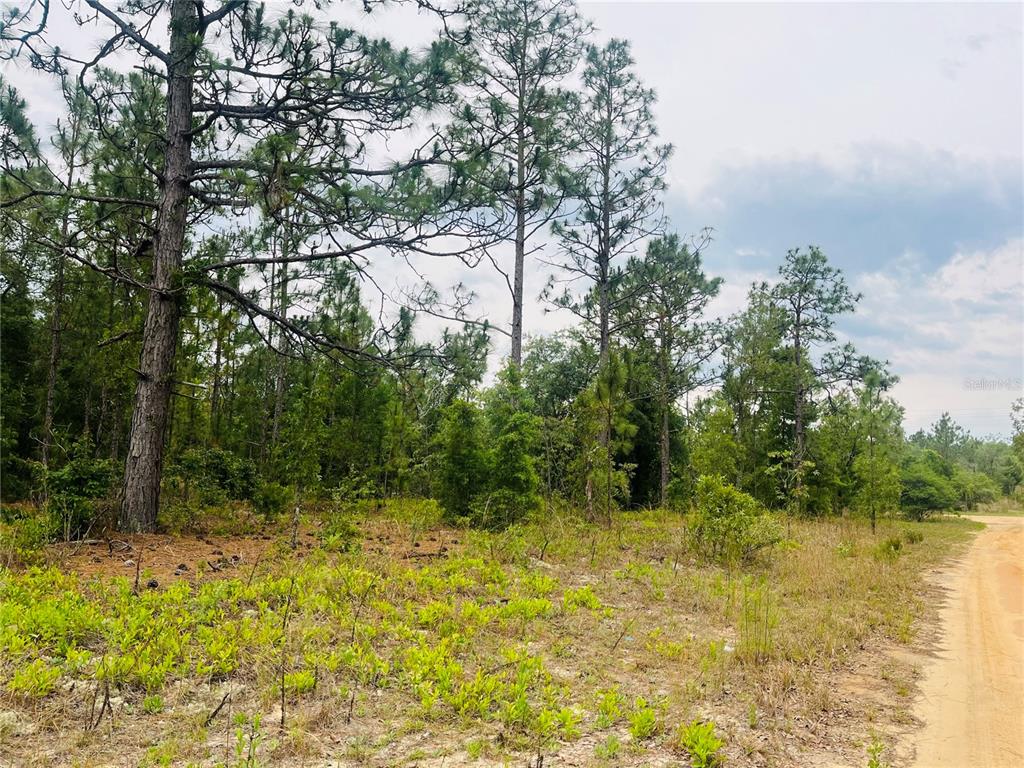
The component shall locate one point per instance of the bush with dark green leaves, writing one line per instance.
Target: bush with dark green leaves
(462, 461)
(486, 474)
(926, 484)
(271, 500)
(513, 483)
(973, 488)
(76, 490)
(726, 524)
(213, 476)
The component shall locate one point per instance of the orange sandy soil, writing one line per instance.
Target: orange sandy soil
(161, 556)
(972, 690)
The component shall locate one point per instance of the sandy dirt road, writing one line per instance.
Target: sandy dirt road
(972, 702)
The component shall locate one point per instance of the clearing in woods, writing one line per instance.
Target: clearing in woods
(405, 642)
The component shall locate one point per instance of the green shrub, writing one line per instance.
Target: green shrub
(679, 493)
(972, 488)
(889, 549)
(728, 524)
(462, 467)
(514, 481)
(913, 537)
(213, 476)
(75, 490)
(643, 720)
(926, 485)
(36, 679)
(700, 742)
(339, 534)
(24, 536)
(271, 500)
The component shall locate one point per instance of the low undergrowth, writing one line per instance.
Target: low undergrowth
(553, 637)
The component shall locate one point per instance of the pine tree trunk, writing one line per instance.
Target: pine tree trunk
(57, 292)
(215, 395)
(279, 384)
(664, 443)
(798, 420)
(140, 494)
(56, 318)
(279, 389)
(604, 248)
(520, 256)
(666, 406)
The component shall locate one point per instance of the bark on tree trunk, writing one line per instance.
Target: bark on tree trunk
(520, 256)
(56, 318)
(666, 404)
(215, 396)
(279, 384)
(57, 291)
(140, 493)
(798, 421)
(665, 464)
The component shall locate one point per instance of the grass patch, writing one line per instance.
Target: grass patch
(429, 640)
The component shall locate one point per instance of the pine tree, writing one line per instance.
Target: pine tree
(252, 114)
(615, 183)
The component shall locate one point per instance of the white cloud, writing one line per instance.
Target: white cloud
(732, 295)
(982, 277)
(954, 336)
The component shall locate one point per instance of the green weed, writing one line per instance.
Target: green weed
(643, 720)
(301, 682)
(889, 549)
(36, 679)
(584, 597)
(609, 749)
(609, 707)
(152, 705)
(699, 741)
(876, 748)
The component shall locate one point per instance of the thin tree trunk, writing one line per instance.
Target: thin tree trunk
(798, 420)
(116, 429)
(140, 494)
(56, 318)
(871, 459)
(279, 384)
(267, 412)
(57, 291)
(215, 395)
(666, 405)
(608, 464)
(604, 304)
(520, 256)
(604, 242)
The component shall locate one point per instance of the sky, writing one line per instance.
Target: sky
(890, 135)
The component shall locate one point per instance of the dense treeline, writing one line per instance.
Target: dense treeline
(189, 304)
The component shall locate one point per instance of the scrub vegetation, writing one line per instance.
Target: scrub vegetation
(417, 641)
(265, 503)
